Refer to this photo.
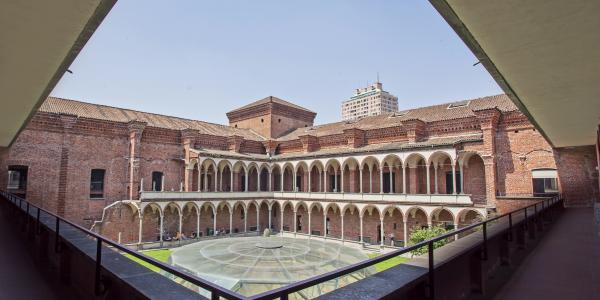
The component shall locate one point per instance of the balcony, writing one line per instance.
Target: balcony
(459, 199)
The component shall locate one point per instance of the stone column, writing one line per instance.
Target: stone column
(405, 232)
(462, 177)
(197, 224)
(295, 220)
(435, 179)
(180, 223)
(140, 230)
(270, 215)
(404, 179)
(428, 179)
(161, 228)
(342, 180)
(325, 181)
(454, 179)
(199, 178)
(205, 179)
(360, 171)
(361, 229)
(382, 231)
(221, 181)
(162, 183)
(320, 182)
(230, 221)
(324, 224)
(309, 182)
(258, 180)
(456, 228)
(282, 171)
(309, 223)
(342, 219)
(214, 222)
(231, 180)
(281, 221)
(215, 179)
(245, 220)
(258, 218)
(391, 170)
(294, 181)
(246, 181)
(270, 181)
(381, 180)
(335, 181)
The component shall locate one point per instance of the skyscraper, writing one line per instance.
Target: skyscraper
(369, 101)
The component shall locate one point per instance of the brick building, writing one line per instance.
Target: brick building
(142, 174)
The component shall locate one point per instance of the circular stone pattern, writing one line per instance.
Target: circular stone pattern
(269, 244)
(251, 265)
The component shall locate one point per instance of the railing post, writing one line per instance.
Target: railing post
(284, 297)
(27, 217)
(37, 221)
(97, 279)
(484, 250)
(510, 227)
(56, 229)
(431, 271)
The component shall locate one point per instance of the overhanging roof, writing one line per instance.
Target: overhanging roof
(39, 40)
(543, 53)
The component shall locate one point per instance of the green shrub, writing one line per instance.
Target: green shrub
(420, 235)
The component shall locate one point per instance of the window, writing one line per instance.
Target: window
(157, 181)
(545, 182)
(17, 180)
(97, 184)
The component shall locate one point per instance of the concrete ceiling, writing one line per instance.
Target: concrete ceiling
(545, 54)
(38, 42)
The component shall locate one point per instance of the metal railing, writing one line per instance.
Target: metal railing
(216, 291)
(283, 293)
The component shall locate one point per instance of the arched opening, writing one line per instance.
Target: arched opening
(442, 217)
(370, 175)
(316, 220)
(223, 210)
(171, 221)
(351, 223)
(332, 179)
(301, 218)
(416, 174)
(276, 177)
(301, 182)
(392, 176)
(316, 177)
(252, 178)
(351, 176)
(189, 220)
(151, 223)
(288, 217)
(264, 178)
(207, 227)
(333, 221)
(238, 217)
(275, 216)
(372, 230)
(288, 175)
(393, 223)
(474, 178)
(264, 216)
(416, 218)
(251, 223)
(239, 177)
(225, 185)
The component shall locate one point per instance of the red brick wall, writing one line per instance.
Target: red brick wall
(577, 175)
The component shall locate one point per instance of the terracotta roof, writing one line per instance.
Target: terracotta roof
(441, 112)
(108, 113)
(272, 99)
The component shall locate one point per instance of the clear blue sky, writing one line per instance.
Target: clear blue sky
(200, 59)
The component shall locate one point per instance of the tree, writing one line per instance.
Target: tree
(423, 234)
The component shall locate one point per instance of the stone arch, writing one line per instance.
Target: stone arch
(469, 216)
(207, 215)
(189, 219)
(208, 175)
(440, 169)
(350, 176)
(275, 216)
(416, 218)
(473, 177)
(288, 177)
(301, 217)
(252, 177)
(287, 216)
(171, 220)
(276, 177)
(301, 180)
(316, 176)
(443, 217)
(393, 223)
(151, 215)
(370, 173)
(225, 168)
(332, 174)
(394, 166)
(263, 173)
(223, 211)
(351, 215)
(416, 173)
(333, 220)
(371, 219)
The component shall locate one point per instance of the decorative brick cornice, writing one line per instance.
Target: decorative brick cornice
(68, 121)
(310, 143)
(188, 136)
(488, 118)
(415, 130)
(234, 143)
(136, 127)
(270, 146)
(355, 137)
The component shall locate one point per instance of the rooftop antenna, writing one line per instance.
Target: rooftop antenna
(377, 77)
